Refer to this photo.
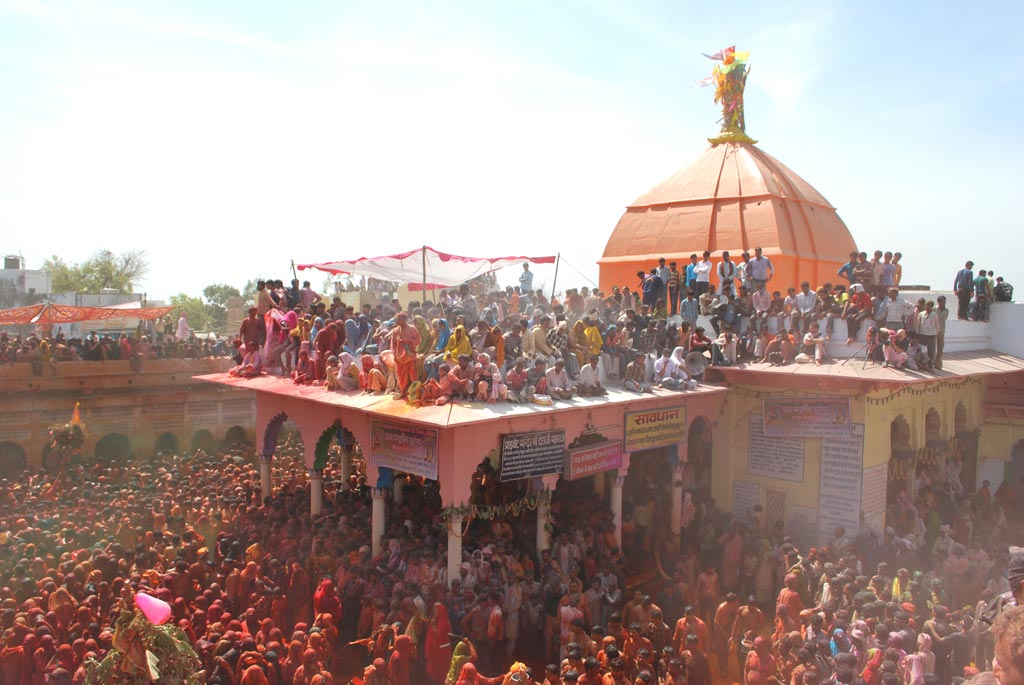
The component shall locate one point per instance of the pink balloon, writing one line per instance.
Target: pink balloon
(155, 610)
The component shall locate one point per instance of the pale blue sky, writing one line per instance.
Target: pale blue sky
(228, 138)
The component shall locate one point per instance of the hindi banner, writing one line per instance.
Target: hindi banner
(839, 494)
(781, 458)
(592, 459)
(806, 417)
(654, 428)
(525, 455)
(404, 448)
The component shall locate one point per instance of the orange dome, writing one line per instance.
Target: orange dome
(735, 198)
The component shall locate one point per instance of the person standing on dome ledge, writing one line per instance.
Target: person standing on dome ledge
(963, 286)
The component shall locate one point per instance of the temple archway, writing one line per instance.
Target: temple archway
(113, 446)
(902, 463)
(699, 448)
(167, 443)
(967, 445)
(12, 459)
(235, 436)
(960, 418)
(202, 440)
(933, 428)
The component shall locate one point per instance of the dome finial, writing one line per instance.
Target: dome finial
(729, 79)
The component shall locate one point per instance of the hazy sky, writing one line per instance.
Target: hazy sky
(228, 138)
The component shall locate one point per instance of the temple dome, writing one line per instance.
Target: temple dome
(734, 197)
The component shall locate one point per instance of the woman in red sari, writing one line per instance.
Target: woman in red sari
(438, 647)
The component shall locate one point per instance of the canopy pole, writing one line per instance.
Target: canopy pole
(554, 282)
(423, 297)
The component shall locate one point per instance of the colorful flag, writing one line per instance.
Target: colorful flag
(721, 54)
(76, 416)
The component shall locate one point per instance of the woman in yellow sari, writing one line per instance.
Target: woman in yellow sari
(593, 335)
(578, 343)
(427, 341)
(458, 344)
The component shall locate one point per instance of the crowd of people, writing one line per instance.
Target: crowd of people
(518, 345)
(163, 339)
(268, 596)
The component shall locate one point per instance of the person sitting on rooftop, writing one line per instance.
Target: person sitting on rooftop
(590, 379)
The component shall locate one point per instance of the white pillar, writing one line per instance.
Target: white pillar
(617, 484)
(346, 466)
(377, 519)
(543, 536)
(266, 484)
(454, 548)
(677, 498)
(316, 492)
(398, 485)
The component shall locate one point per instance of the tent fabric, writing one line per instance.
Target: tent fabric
(20, 315)
(443, 270)
(64, 313)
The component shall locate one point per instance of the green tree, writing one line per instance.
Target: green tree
(105, 269)
(249, 292)
(195, 310)
(217, 296)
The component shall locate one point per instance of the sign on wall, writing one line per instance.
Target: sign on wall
(781, 458)
(525, 455)
(581, 462)
(654, 428)
(404, 448)
(744, 496)
(806, 417)
(839, 494)
(873, 491)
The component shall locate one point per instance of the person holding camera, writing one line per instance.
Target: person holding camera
(895, 346)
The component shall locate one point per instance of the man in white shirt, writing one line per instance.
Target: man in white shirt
(813, 347)
(559, 386)
(726, 275)
(897, 310)
(761, 301)
(928, 325)
(808, 307)
(702, 270)
(590, 379)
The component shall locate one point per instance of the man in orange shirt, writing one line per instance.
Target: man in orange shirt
(790, 597)
(689, 624)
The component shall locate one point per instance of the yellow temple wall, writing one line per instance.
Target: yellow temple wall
(779, 496)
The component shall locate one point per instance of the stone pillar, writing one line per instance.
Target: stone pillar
(266, 483)
(620, 479)
(316, 492)
(377, 519)
(346, 466)
(543, 536)
(397, 487)
(599, 485)
(677, 498)
(454, 547)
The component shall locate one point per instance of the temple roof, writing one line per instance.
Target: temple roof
(733, 197)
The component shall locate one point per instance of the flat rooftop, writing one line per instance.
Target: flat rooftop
(853, 372)
(453, 413)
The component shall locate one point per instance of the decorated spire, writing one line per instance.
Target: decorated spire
(730, 78)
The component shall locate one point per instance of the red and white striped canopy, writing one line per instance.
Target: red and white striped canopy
(424, 265)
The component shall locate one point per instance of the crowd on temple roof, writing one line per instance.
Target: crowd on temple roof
(267, 596)
(518, 345)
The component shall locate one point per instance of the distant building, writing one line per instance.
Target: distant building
(20, 286)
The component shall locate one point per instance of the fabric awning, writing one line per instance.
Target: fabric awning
(65, 313)
(424, 265)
